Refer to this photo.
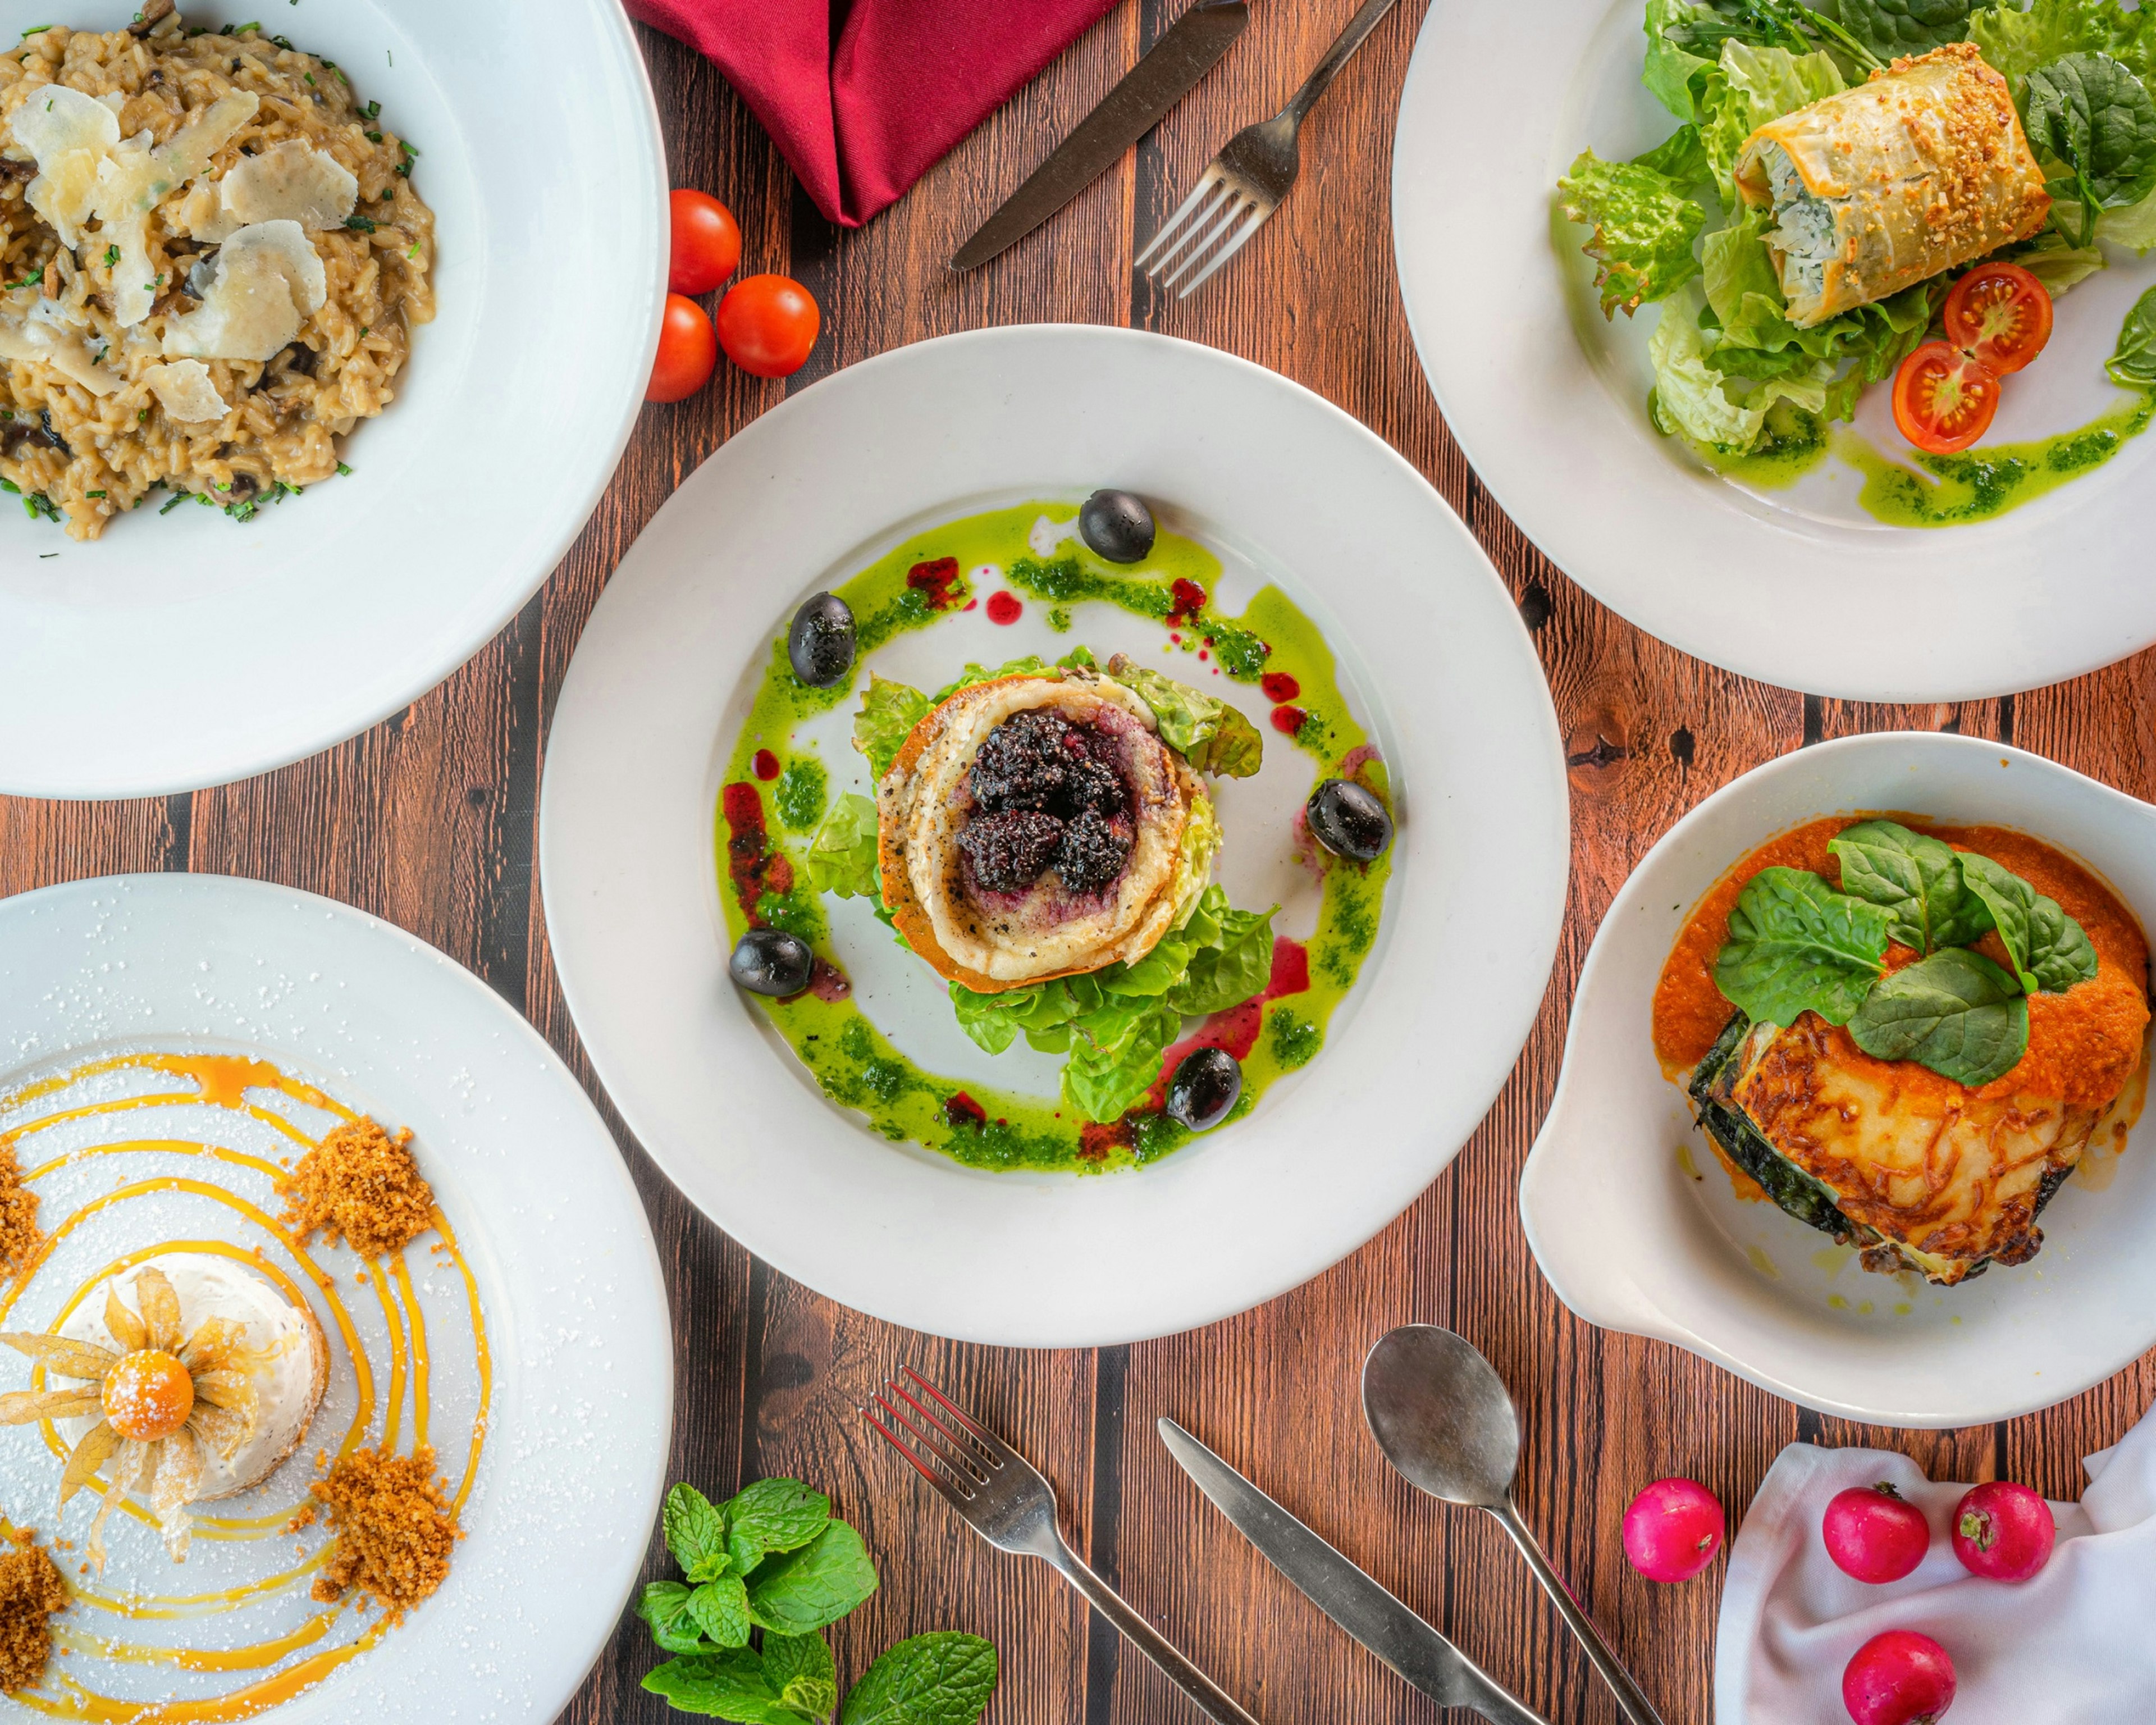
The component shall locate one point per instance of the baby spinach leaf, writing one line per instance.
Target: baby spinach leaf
(796, 1592)
(941, 1678)
(1891, 27)
(722, 1686)
(1796, 946)
(801, 1673)
(2093, 116)
(721, 1609)
(1918, 879)
(1955, 1012)
(1644, 229)
(1211, 735)
(695, 1532)
(780, 1515)
(889, 712)
(665, 1607)
(2051, 952)
(842, 854)
(2132, 362)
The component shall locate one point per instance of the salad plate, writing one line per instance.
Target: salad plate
(860, 1134)
(1792, 578)
(1641, 1225)
(168, 1044)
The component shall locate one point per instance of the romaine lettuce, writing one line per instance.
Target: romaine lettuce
(1644, 229)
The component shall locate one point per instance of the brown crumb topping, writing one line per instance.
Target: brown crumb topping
(19, 1235)
(394, 1530)
(363, 1185)
(30, 1590)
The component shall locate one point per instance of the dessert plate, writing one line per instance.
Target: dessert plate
(1437, 666)
(188, 650)
(159, 1033)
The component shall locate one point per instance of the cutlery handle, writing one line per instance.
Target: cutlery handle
(1212, 1700)
(1635, 1706)
(1337, 56)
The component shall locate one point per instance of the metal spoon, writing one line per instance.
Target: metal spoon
(1440, 1413)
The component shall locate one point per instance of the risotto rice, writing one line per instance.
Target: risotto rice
(236, 156)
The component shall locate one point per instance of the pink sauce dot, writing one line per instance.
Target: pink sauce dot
(1201, 655)
(1175, 638)
(1288, 720)
(1279, 685)
(1004, 607)
(973, 604)
(765, 766)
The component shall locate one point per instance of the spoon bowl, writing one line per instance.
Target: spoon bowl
(1442, 1415)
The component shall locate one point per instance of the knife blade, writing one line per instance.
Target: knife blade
(1184, 54)
(1416, 1653)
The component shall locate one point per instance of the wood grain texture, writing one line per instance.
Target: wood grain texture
(430, 820)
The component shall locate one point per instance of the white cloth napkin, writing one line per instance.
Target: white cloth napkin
(2075, 1644)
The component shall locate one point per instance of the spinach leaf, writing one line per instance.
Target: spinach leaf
(1211, 735)
(842, 855)
(1918, 879)
(723, 1685)
(665, 1607)
(1891, 27)
(942, 1678)
(696, 1533)
(2051, 952)
(796, 1592)
(2132, 362)
(721, 1609)
(780, 1515)
(2093, 115)
(1796, 946)
(800, 1672)
(889, 712)
(1955, 1012)
(2016, 41)
(1644, 229)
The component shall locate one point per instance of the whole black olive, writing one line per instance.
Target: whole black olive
(770, 961)
(1206, 1085)
(1116, 524)
(820, 644)
(1349, 821)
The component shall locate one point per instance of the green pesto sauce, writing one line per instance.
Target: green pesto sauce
(1980, 483)
(1794, 442)
(855, 1065)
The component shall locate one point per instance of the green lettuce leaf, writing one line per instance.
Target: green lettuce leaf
(2132, 225)
(1211, 735)
(1681, 157)
(2059, 264)
(1683, 42)
(1231, 966)
(1955, 1012)
(1796, 946)
(842, 854)
(1644, 229)
(1115, 1056)
(889, 712)
(974, 674)
(1691, 396)
(2016, 41)
(1756, 85)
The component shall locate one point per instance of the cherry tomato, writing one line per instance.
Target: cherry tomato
(687, 352)
(768, 324)
(706, 245)
(1944, 400)
(1999, 314)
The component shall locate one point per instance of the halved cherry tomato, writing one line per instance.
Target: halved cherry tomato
(1999, 314)
(706, 243)
(768, 324)
(687, 352)
(1944, 400)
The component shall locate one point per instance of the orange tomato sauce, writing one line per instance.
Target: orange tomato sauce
(2084, 1045)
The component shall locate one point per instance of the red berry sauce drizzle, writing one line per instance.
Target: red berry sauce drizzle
(1004, 607)
(754, 869)
(765, 766)
(936, 581)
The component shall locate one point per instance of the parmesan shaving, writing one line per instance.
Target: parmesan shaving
(184, 390)
(69, 134)
(66, 353)
(137, 175)
(268, 279)
(290, 183)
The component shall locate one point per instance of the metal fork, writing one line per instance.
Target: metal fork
(1003, 1498)
(1245, 182)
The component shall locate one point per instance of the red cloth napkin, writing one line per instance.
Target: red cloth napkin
(860, 122)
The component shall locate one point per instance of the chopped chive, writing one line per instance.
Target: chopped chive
(374, 110)
(415, 252)
(112, 255)
(373, 137)
(172, 503)
(142, 418)
(10, 487)
(343, 472)
(34, 276)
(37, 30)
(93, 494)
(308, 76)
(42, 555)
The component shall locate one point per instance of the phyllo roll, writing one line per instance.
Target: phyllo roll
(1876, 188)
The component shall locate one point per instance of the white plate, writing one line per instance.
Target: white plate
(1632, 1241)
(1799, 587)
(567, 1277)
(1274, 478)
(186, 649)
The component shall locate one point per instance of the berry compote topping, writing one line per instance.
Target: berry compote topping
(1046, 794)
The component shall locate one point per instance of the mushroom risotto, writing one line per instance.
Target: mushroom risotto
(211, 260)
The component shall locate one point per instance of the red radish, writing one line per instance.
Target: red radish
(1874, 1533)
(2003, 1531)
(1672, 1530)
(1899, 1678)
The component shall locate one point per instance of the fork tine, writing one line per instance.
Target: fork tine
(956, 1492)
(1230, 213)
(997, 1452)
(949, 1448)
(1184, 219)
(1258, 219)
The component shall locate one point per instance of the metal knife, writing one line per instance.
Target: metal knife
(1161, 79)
(1417, 1653)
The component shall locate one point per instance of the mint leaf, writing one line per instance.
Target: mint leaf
(696, 1533)
(889, 712)
(723, 1685)
(1916, 879)
(665, 1607)
(1211, 735)
(780, 1515)
(1955, 1012)
(842, 856)
(943, 1678)
(2049, 951)
(721, 1609)
(1644, 227)
(800, 1672)
(796, 1592)
(1796, 946)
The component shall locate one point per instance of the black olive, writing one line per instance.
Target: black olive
(1116, 524)
(1349, 821)
(820, 644)
(769, 961)
(1206, 1085)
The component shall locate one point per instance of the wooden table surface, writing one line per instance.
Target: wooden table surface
(429, 819)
